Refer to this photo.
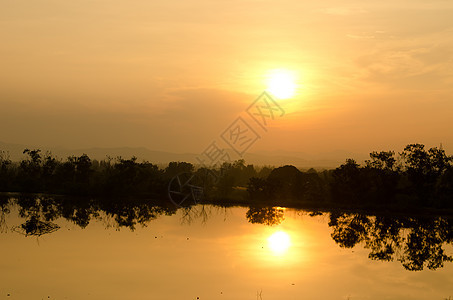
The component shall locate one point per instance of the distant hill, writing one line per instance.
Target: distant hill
(325, 160)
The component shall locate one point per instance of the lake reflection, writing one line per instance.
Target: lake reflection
(136, 250)
(415, 242)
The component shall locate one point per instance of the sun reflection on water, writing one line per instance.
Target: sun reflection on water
(279, 243)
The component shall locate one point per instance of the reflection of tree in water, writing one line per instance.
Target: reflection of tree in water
(415, 242)
(41, 211)
(265, 215)
(202, 212)
(129, 215)
(34, 226)
(4, 210)
(41, 207)
(191, 213)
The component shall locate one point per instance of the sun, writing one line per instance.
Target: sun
(279, 242)
(281, 83)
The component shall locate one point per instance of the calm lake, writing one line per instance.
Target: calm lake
(51, 250)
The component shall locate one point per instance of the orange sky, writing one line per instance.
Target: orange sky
(172, 75)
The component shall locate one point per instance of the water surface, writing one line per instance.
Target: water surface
(213, 252)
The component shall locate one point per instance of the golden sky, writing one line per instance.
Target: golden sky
(173, 75)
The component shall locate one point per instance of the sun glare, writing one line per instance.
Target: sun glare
(279, 242)
(281, 83)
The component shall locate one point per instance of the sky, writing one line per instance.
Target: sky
(174, 75)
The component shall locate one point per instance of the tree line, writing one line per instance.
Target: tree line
(415, 177)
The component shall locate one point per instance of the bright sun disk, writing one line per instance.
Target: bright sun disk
(281, 83)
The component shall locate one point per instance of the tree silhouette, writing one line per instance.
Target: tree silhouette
(265, 215)
(415, 242)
